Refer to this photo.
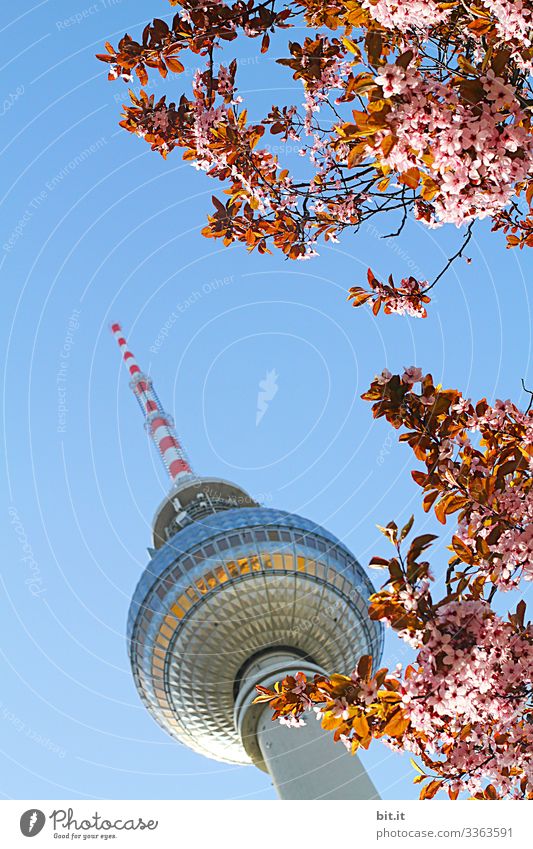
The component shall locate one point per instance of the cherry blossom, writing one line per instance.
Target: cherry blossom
(473, 172)
(464, 705)
(405, 16)
(441, 130)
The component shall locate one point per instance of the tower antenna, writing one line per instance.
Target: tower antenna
(158, 423)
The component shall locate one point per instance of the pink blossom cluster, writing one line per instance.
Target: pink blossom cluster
(406, 300)
(514, 22)
(292, 721)
(204, 120)
(410, 376)
(501, 417)
(161, 120)
(345, 209)
(226, 85)
(510, 557)
(156, 122)
(367, 692)
(299, 689)
(472, 688)
(410, 598)
(322, 157)
(318, 90)
(405, 15)
(207, 117)
(216, 162)
(115, 73)
(473, 153)
(310, 250)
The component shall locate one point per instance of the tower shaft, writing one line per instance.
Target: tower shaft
(159, 424)
(304, 763)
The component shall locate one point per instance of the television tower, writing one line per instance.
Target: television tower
(235, 595)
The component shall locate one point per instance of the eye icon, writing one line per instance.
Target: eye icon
(32, 822)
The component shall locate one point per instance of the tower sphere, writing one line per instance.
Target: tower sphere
(230, 582)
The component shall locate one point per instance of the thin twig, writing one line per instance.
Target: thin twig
(530, 393)
(459, 253)
(403, 221)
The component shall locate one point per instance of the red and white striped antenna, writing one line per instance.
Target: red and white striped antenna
(158, 423)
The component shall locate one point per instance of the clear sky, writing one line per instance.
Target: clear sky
(95, 228)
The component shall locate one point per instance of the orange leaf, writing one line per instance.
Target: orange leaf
(429, 499)
(330, 722)
(174, 65)
(364, 667)
(480, 27)
(462, 550)
(389, 696)
(430, 790)
(440, 510)
(429, 188)
(387, 144)
(397, 724)
(360, 725)
(410, 178)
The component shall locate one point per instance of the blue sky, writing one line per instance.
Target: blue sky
(96, 228)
